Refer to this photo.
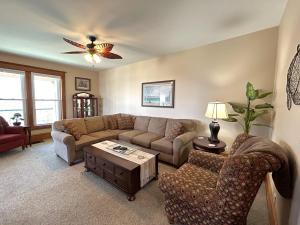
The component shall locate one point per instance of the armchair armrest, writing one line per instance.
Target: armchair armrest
(181, 147)
(197, 196)
(210, 161)
(14, 130)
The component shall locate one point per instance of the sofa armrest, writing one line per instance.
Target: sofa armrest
(14, 130)
(62, 137)
(181, 147)
(206, 160)
(64, 145)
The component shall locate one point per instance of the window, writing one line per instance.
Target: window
(38, 94)
(47, 101)
(12, 94)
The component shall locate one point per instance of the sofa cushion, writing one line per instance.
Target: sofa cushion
(173, 129)
(145, 139)
(157, 126)
(162, 145)
(125, 122)
(5, 138)
(104, 135)
(128, 135)
(94, 124)
(85, 140)
(141, 123)
(79, 123)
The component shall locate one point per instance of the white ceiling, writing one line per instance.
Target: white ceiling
(140, 29)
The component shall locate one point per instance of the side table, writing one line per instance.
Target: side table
(202, 143)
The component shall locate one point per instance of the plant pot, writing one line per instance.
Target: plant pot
(17, 124)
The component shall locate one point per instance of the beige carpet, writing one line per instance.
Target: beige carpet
(38, 188)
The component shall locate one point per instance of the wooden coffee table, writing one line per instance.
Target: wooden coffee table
(120, 172)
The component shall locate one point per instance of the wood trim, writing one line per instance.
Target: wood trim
(38, 127)
(40, 137)
(270, 203)
(15, 66)
(63, 97)
(29, 104)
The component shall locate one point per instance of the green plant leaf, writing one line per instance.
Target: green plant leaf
(230, 119)
(251, 93)
(237, 107)
(264, 106)
(263, 95)
(232, 114)
(256, 114)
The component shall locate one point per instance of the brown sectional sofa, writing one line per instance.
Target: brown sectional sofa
(148, 132)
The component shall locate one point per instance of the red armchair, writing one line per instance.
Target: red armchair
(11, 137)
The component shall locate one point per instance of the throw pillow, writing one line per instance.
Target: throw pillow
(72, 128)
(113, 122)
(80, 124)
(125, 122)
(174, 130)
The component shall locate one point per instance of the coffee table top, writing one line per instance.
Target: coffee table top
(129, 165)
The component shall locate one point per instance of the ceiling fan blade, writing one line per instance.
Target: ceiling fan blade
(75, 52)
(74, 43)
(110, 55)
(104, 47)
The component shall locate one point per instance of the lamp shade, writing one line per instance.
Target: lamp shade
(216, 110)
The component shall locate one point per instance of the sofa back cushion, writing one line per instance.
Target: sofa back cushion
(94, 124)
(79, 123)
(141, 123)
(157, 125)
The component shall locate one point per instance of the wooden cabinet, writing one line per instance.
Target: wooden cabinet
(84, 105)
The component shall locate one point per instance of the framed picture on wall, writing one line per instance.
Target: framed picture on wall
(158, 94)
(82, 84)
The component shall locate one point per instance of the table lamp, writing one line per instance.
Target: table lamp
(215, 111)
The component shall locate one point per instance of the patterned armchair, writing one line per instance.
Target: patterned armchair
(216, 190)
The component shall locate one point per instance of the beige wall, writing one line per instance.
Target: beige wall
(71, 73)
(287, 123)
(217, 71)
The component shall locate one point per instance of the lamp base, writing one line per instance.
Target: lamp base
(214, 130)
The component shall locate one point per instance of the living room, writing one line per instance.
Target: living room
(164, 158)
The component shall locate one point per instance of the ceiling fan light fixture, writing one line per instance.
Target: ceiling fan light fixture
(96, 58)
(92, 58)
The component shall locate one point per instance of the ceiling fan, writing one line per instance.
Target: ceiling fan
(92, 51)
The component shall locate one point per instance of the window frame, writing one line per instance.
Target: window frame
(28, 70)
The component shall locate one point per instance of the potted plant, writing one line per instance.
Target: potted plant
(17, 117)
(246, 114)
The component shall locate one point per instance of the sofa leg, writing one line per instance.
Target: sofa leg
(71, 163)
(23, 147)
